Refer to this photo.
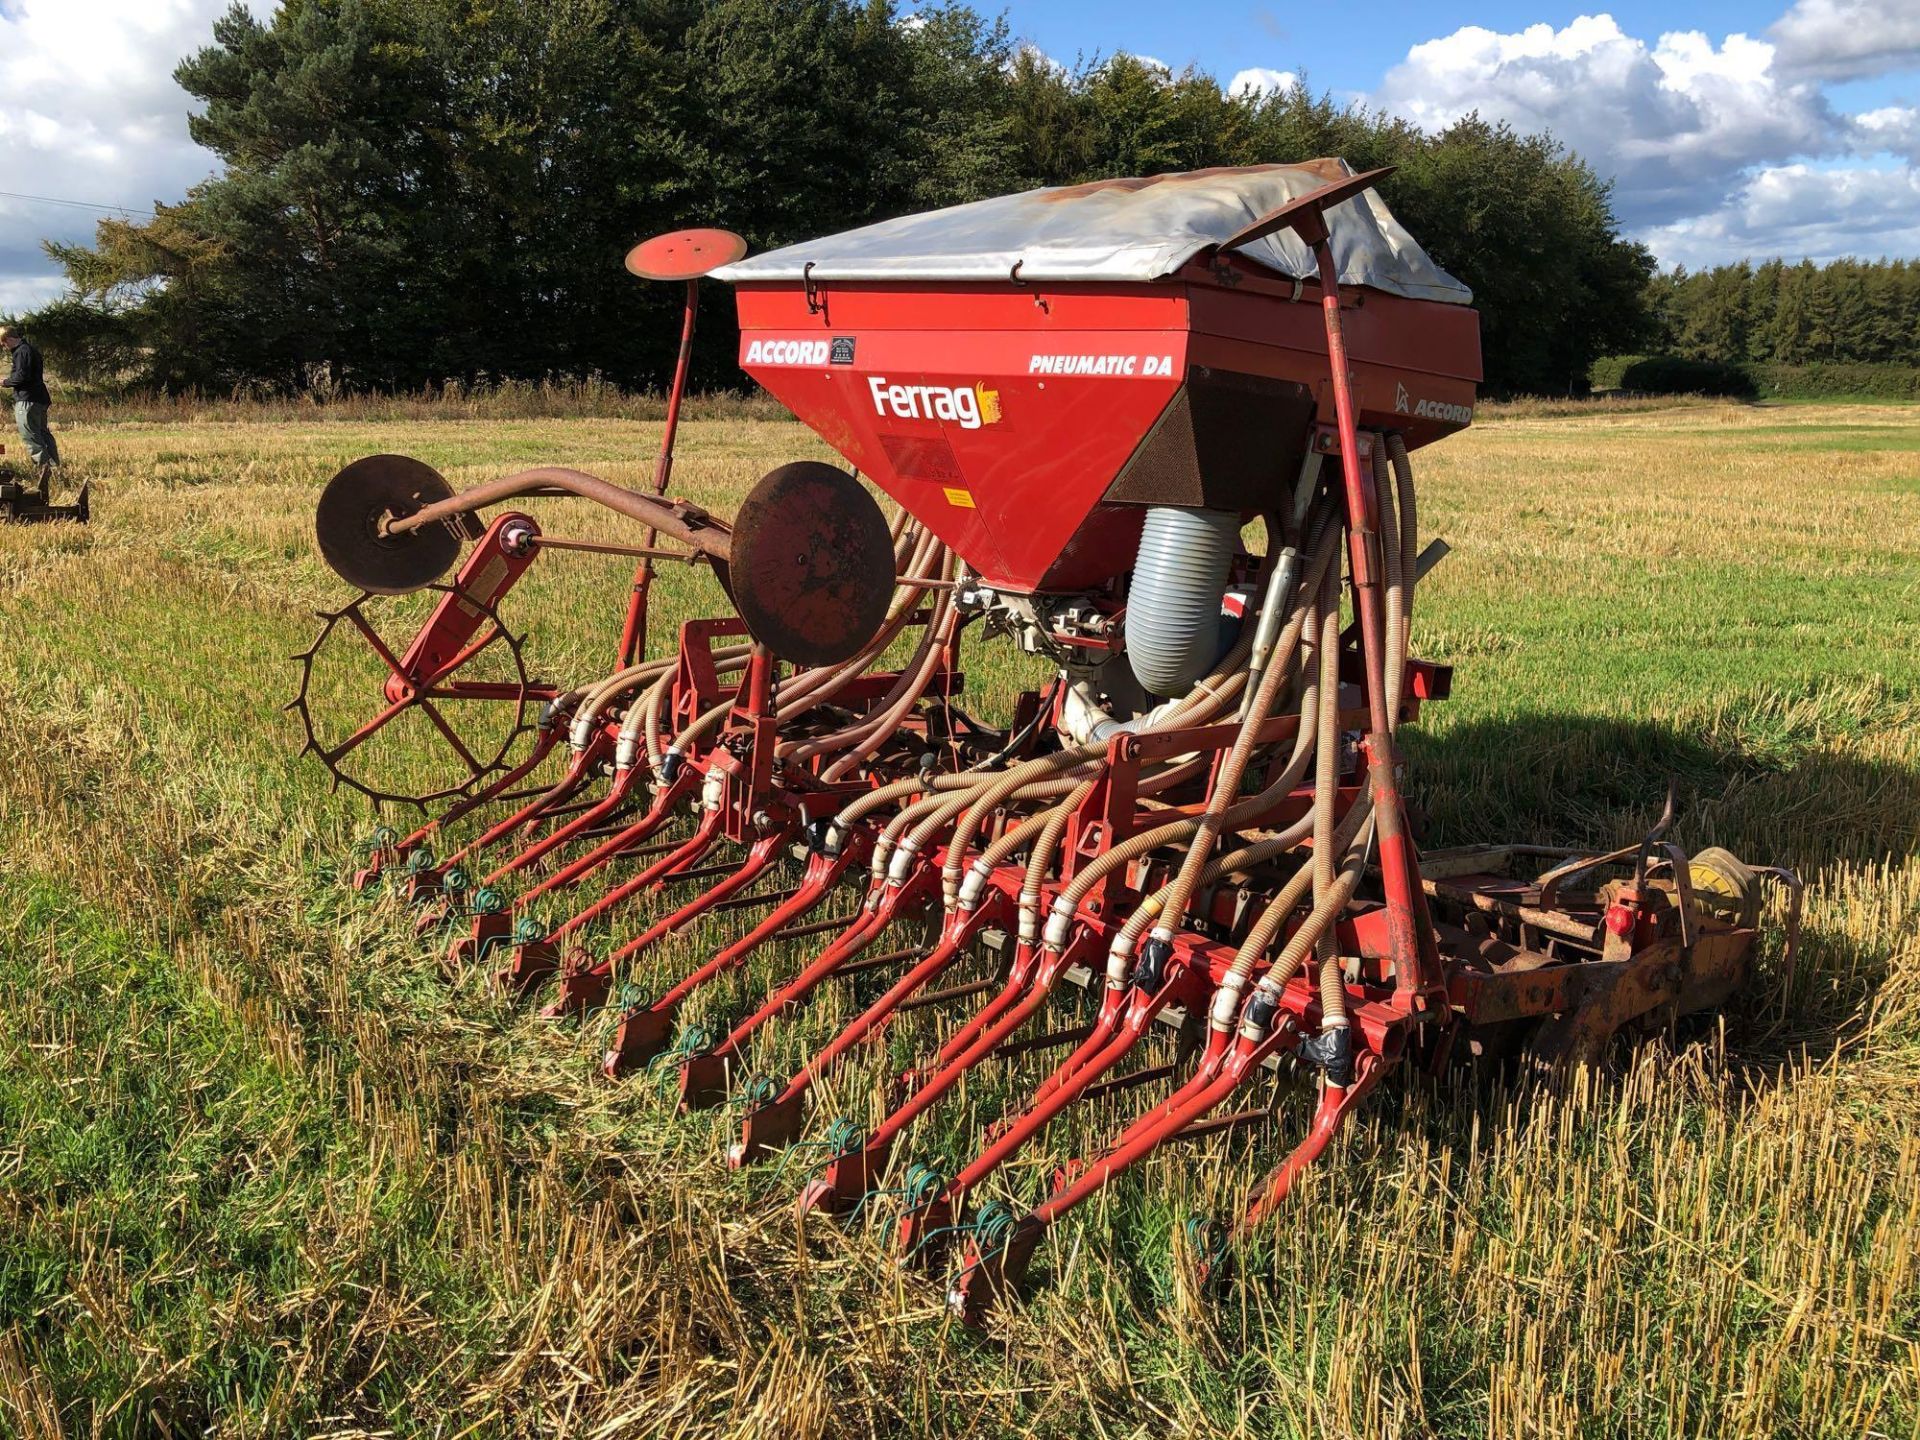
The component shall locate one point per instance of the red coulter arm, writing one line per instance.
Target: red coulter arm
(446, 642)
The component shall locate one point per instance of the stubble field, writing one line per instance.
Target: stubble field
(266, 1170)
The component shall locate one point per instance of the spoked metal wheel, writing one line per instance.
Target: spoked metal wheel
(436, 736)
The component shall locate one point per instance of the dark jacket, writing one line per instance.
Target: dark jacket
(28, 379)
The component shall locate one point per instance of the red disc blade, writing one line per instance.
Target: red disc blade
(812, 564)
(684, 254)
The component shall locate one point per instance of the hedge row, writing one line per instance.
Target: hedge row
(1824, 381)
(1673, 375)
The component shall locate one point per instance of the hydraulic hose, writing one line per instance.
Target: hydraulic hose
(1327, 766)
(1040, 859)
(1227, 782)
(1026, 831)
(726, 662)
(1353, 831)
(1016, 839)
(1206, 698)
(1130, 849)
(906, 692)
(1236, 862)
(907, 687)
(1396, 591)
(1409, 526)
(1183, 829)
(592, 699)
(889, 841)
(816, 687)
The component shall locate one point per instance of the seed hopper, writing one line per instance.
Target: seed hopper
(1158, 433)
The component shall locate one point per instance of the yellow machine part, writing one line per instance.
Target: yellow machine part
(1725, 888)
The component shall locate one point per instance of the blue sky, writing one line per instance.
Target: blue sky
(1729, 129)
(1224, 36)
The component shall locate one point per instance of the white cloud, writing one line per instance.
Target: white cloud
(1848, 39)
(1802, 211)
(92, 114)
(1717, 150)
(1894, 130)
(1675, 123)
(1259, 80)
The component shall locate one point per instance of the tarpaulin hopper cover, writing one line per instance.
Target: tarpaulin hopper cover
(1120, 230)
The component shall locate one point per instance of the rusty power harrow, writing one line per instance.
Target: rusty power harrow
(1200, 821)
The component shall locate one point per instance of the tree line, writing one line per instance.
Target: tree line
(421, 191)
(1775, 313)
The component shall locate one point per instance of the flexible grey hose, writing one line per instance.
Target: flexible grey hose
(1173, 602)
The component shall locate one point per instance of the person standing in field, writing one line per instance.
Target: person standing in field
(28, 381)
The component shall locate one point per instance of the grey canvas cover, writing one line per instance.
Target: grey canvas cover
(1140, 229)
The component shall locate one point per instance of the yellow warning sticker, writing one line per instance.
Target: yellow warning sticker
(962, 498)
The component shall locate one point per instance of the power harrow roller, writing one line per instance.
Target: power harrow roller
(1159, 434)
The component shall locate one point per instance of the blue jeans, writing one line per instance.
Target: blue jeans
(32, 420)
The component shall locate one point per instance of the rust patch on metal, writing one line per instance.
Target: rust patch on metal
(812, 565)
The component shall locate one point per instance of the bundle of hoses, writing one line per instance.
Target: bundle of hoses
(1060, 781)
(1339, 848)
(919, 557)
(967, 800)
(1292, 647)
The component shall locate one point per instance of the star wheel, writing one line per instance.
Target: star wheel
(436, 735)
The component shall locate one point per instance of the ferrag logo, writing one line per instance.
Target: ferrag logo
(967, 407)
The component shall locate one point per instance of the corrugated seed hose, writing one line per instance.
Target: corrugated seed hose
(1227, 782)
(1173, 602)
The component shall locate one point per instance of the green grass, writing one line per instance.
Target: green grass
(266, 1170)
